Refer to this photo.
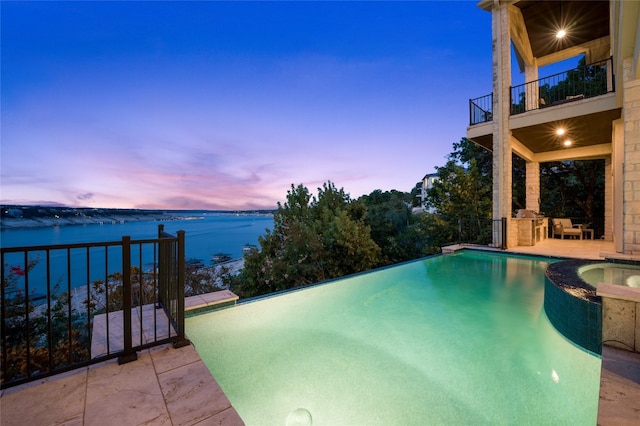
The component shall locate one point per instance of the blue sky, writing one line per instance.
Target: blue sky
(224, 105)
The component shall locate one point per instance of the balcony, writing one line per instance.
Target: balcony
(583, 82)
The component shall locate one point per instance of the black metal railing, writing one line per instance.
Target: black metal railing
(481, 109)
(71, 305)
(586, 81)
(488, 232)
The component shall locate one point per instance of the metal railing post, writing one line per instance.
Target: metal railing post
(504, 234)
(162, 269)
(180, 282)
(129, 354)
(3, 331)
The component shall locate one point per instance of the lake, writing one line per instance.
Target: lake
(206, 234)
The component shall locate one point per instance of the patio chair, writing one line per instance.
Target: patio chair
(564, 227)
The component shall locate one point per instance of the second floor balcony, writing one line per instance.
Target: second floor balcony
(585, 81)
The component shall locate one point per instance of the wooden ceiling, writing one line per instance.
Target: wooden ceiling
(584, 21)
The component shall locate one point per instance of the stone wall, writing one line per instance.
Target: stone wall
(620, 316)
(631, 177)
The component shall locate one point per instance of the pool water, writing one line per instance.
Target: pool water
(455, 339)
(611, 273)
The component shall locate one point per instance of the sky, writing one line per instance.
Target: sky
(225, 105)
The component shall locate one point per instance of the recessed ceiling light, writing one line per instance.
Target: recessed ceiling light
(561, 34)
(567, 142)
(560, 131)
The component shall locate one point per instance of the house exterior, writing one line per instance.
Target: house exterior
(588, 113)
(425, 185)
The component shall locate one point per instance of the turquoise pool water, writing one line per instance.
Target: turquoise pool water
(455, 339)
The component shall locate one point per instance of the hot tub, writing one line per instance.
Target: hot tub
(611, 273)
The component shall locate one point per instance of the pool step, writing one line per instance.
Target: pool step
(217, 299)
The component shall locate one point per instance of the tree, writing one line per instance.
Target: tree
(465, 184)
(39, 338)
(313, 239)
(573, 188)
(392, 226)
(463, 191)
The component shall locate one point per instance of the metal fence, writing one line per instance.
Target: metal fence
(71, 305)
(568, 86)
(487, 232)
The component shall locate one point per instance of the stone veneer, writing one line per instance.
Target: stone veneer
(620, 316)
(631, 177)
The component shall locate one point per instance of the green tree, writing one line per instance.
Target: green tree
(518, 183)
(392, 225)
(573, 189)
(463, 191)
(464, 185)
(313, 239)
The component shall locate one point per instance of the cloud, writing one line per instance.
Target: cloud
(84, 197)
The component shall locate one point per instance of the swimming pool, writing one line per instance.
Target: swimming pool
(455, 339)
(611, 273)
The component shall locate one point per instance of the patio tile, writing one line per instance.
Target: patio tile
(191, 394)
(619, 387)
(125, 394)
(166, 358)
(228, 417)
(53, 401)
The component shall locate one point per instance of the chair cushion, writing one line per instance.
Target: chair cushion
(566, 223)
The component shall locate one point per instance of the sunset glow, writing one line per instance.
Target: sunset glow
(212, 105)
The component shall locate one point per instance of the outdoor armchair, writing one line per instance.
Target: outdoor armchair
(564, 227)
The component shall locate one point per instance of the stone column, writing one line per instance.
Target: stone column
(501, 56)
(631, 173)
(533, 186)
(532, 93)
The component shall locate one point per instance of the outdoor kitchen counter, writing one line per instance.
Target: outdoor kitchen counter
(531, 230)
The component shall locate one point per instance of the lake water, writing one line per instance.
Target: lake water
(205, 235)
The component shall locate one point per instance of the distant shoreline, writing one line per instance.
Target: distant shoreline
(8, 223)
(41, 222)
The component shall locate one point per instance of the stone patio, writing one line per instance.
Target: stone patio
(165, 386)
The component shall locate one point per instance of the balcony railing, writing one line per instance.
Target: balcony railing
(481, 109)
(72, 305)
(584, 82)
(568, 86)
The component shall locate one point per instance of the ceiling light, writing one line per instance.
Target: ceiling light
(567, 142)
(561, 34)
(560, 131)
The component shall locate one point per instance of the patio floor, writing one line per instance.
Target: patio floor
(165, 386)
(576, 249)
